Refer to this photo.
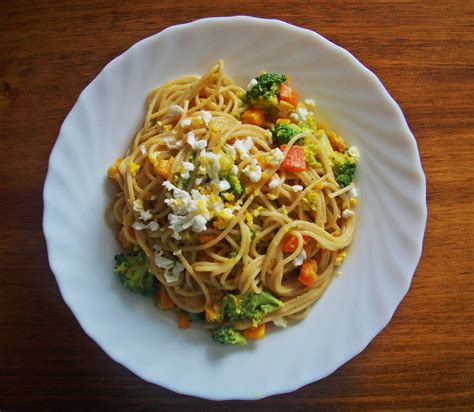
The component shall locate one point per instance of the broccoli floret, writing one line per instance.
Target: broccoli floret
(264, 94)
(311, 153)
(344, 168)
(235, 184)
(250, 306)
(228, 336)
(282, 133)
(132, 271)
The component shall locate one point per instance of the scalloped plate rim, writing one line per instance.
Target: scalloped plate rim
(286, 387)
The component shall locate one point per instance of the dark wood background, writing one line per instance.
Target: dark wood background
(421, 50)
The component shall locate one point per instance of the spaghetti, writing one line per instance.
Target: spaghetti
(232, 191)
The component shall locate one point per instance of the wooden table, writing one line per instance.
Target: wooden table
(423, 53)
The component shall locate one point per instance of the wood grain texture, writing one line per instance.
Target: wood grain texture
(423, 53)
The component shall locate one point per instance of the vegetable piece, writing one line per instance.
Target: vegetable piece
(122, 239)
(206, 238)
(132, 271)
(337, 142)
(163, 167)
(290, 243)
(344, 168)
(228, 336)
(283, 132)
(183, 320)
(288, 94)
(308, 272)
(257, 332)
(113, 172)
(235, 184)
(253, 116)
(311, 153)
(294, 160)
(264, 94)
(214, 313)
(163, 299)
(250, 306)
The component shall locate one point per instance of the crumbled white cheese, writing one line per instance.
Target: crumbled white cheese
(275, 157)
(206, 116)
(253, 171)
(227, 213)
(223, 185)
(171, 143)
(199, 180)
(310, 102)
(252, 84)
(354, 152)
(186, 122)
(137, 205)
(209, 164)
(243, 147)
(197, 145)
(153, 226)
(297, 188)
(280, 322)
(298, 261)
(172, 268)
(139, 226)
(354, 192)
(145, 215)
(235, 169)
(274, 182)
(185, 168)
(347, 213)
(175, 110)
(189, 210)
(300, 114)
(143, 149)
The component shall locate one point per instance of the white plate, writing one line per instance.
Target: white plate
(356, 306)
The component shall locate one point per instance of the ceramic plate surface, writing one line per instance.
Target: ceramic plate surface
(356, 306)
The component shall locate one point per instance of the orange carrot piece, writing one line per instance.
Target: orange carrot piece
(253, 116)
(308, 272)
(290, 243)
(205, 238)
(183, 320)
(122, 239)
(255, 333)
(294, 160)
(163, 299)
(288, 94)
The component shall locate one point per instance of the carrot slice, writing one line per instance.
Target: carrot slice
(294, 160)
(253, 116)
(288, 94)
(163, 299)
(255, 333)
(308, 272)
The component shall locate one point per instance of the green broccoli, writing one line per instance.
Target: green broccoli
(264, 94)
(250, 306)
(228, 336)
(344, 168)
(132, 270)
(235, 184)
(283, 132)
